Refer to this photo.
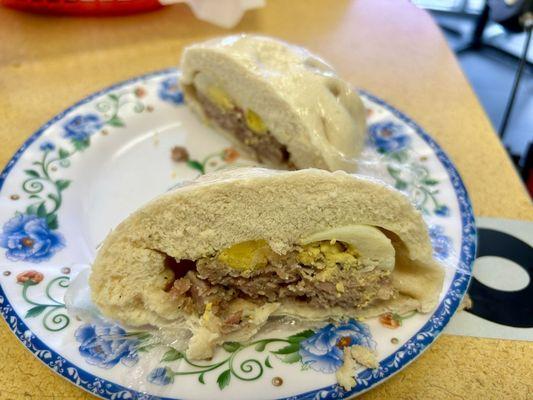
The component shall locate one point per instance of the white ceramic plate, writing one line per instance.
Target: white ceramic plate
(90, 166)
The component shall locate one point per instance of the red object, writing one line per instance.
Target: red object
(83, 7)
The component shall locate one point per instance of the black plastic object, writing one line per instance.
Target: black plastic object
(504, 307)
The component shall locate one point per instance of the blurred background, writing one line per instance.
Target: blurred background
(490, 49)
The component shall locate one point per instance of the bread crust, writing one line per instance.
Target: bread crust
(306, 106)
(218, 210)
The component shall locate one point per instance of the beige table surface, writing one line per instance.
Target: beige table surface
(390, 48)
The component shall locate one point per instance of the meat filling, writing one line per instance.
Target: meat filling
(323, 276)
(262, 144)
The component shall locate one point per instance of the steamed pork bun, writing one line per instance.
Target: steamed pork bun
(223, 254)
(278, 103)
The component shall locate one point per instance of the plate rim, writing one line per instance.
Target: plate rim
(429, 331)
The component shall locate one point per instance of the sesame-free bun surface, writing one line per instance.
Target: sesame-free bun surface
(318, 116)
(216, 211)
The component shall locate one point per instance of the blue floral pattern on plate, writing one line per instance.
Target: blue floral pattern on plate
(388, 136)
(106, 345)
(81, 127)
(160, 376)
(33, 237)
(169, 90)
(406, 168)
(47, 146)
(28, 238)
(323, 351)
(442, 244)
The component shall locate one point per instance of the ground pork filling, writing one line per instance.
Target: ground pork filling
(263, 145)
(321, 281)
